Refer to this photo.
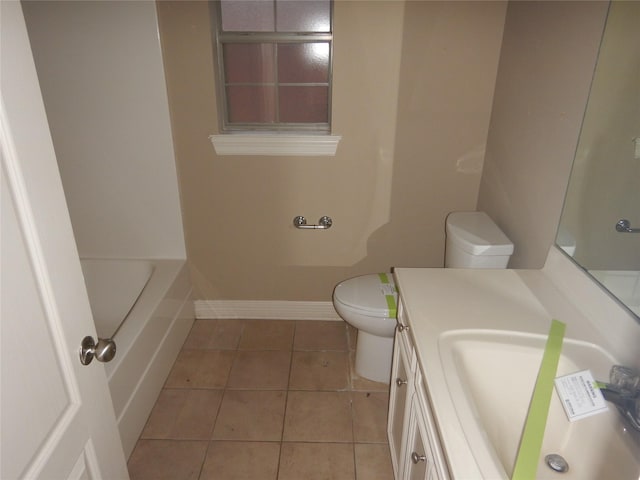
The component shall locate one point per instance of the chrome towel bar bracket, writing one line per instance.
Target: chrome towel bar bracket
(301, 222)
(624, 226)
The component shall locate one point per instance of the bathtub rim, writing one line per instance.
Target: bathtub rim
(165, 272)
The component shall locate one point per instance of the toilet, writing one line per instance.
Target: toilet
(368, 302)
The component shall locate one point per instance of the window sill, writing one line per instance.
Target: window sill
(275, 144)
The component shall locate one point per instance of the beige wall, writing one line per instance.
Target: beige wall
(102, 80)
(546, 65)
(413, 85)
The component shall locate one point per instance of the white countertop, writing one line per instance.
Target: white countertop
(447, 299)
(438, 300)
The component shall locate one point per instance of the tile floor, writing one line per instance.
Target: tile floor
(265, 399)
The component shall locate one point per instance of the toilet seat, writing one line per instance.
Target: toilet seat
(366, 295)
(362, 303)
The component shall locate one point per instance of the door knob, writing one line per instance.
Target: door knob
(103, 351)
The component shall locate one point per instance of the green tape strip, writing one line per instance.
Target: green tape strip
(391, 301)
(391, 305)
(531, 441)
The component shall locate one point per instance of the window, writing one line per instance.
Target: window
(274, 62)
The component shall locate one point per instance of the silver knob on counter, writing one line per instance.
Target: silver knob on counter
(415, 457)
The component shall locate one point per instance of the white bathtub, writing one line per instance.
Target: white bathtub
(146, 307)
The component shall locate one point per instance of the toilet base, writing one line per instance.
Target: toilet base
(373, 357)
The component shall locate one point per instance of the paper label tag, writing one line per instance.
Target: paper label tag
(387, 288)
(580, 395)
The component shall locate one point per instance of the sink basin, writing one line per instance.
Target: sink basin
(491, 376)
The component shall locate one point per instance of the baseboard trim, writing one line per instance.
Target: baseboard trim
(265, 310)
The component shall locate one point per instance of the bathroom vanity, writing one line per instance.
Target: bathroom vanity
(414, 442)
(466, 356)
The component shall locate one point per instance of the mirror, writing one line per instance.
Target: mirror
(604, 186)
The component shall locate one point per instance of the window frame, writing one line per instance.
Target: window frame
(280, 128)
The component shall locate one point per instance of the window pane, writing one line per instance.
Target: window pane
(303, 15)
(251, 104)
(304, 104)
(249, 62)
(303, 63)
(281, 78)
(247, 16)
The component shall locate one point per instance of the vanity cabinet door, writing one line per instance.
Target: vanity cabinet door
(399, 399)
(418, 461)
(424, 457)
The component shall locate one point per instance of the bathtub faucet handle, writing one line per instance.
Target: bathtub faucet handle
(103, 351)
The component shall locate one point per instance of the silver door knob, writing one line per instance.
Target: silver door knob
(400, 382)
(103, 351)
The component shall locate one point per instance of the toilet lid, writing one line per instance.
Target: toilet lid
(367, 293)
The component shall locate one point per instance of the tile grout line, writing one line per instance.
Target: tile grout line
(286, 400)
(224, 393)
(351, 390)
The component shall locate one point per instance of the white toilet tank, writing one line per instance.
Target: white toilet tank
(475, 241)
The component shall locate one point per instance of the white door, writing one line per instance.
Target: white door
(57, 420)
